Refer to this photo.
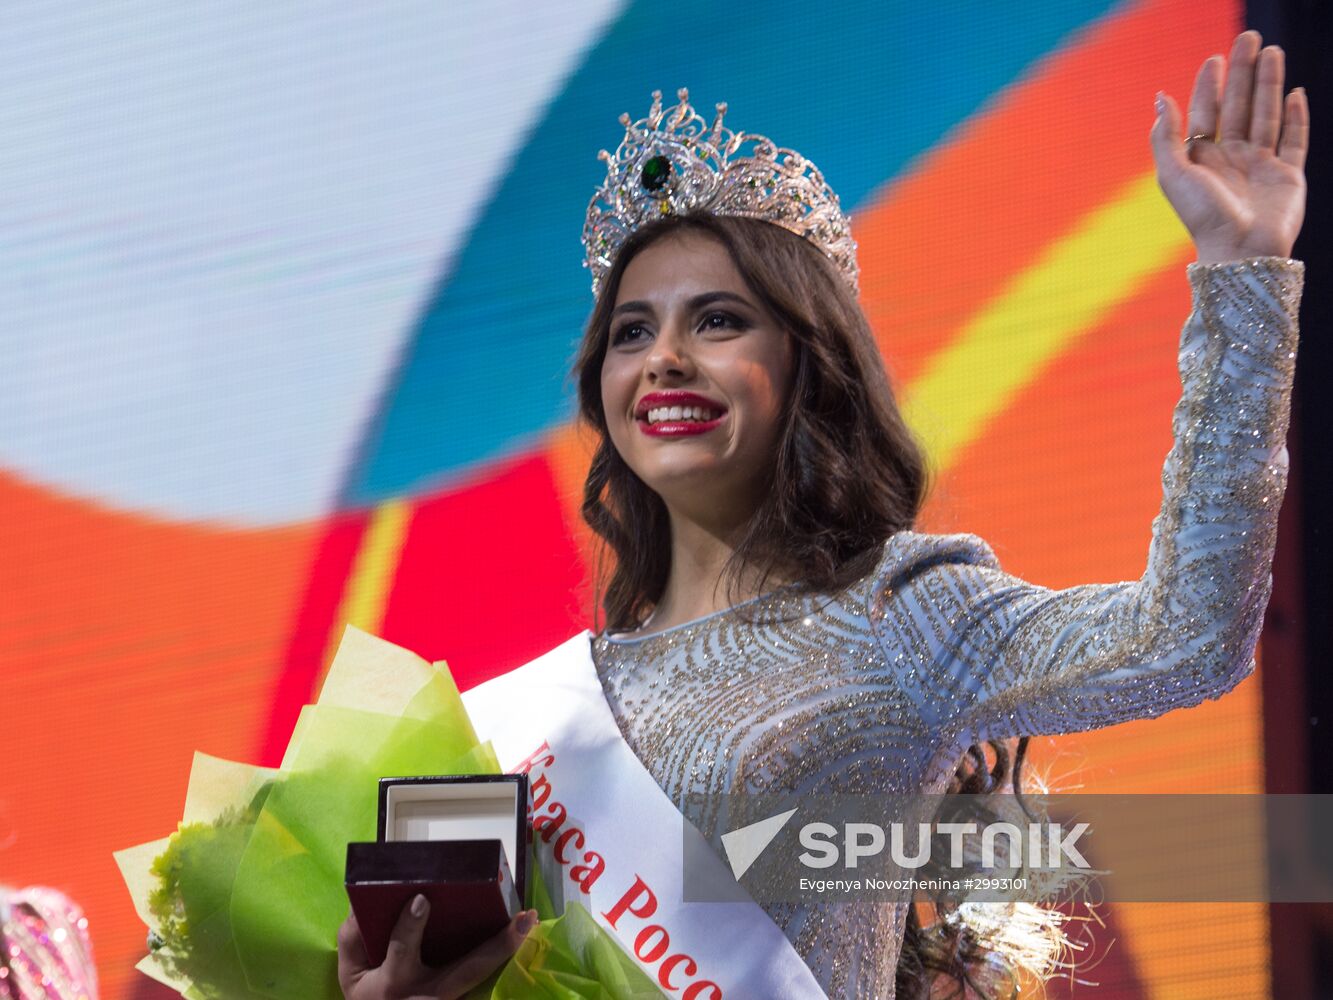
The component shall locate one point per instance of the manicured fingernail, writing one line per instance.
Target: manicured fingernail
(419, 906)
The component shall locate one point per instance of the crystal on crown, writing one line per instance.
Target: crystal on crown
(674, 162)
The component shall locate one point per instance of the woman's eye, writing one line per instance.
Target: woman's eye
(626, 333)
(722, 321)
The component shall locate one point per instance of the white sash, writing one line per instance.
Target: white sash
(616, 839)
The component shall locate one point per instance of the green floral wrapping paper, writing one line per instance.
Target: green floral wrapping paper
(245, 899)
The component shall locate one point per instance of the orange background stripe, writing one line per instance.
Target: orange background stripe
(945, 238)
(128, 642)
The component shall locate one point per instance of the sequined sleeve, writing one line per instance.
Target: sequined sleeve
(1020, 659)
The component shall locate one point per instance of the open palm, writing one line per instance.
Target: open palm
(1238, 181)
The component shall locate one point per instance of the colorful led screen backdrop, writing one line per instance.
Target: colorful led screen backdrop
(290, 295)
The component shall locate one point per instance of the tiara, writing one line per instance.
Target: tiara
(673, 162)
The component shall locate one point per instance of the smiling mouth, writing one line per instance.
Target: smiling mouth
(681, 414)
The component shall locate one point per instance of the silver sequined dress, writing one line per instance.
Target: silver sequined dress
(880, 687)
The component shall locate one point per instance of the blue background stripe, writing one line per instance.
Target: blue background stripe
(862, 90)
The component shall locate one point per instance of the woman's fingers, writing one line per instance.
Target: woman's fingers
(1205, 96)
(1237, 96)
(1167, 148)
(352, 960)
(1295, 129)
(1250, 106)
(1266, 119)
(481, 961)
(402, 960)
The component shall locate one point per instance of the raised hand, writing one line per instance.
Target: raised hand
(1236, 174)
(404, 977)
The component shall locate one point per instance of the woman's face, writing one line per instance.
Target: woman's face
(694, 380)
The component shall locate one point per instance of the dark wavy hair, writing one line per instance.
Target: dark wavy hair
(848, 474)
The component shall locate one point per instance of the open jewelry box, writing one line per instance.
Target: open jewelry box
(462, 842)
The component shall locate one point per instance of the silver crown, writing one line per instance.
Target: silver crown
(673, 162)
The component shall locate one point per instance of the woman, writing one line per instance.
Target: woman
(773, 623)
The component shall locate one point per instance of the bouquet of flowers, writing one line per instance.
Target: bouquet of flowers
(245, 899)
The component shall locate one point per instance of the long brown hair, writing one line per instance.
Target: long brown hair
(848, 475)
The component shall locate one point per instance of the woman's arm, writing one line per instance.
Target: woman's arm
(1011, 658)
(1014, 658)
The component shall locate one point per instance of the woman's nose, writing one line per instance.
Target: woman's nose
(669, 356)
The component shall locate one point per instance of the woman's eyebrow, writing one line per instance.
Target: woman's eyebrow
(708, 298)
(638, 305)
(697, 302)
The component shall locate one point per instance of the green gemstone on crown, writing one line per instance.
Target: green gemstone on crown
(655, 173)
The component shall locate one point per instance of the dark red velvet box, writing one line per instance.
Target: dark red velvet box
(451, 839)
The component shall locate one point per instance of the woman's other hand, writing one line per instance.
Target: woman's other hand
(1240, 190)
(403, 976)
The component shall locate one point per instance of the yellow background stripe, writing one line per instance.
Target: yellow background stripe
(366, 593)
(1041, 313)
